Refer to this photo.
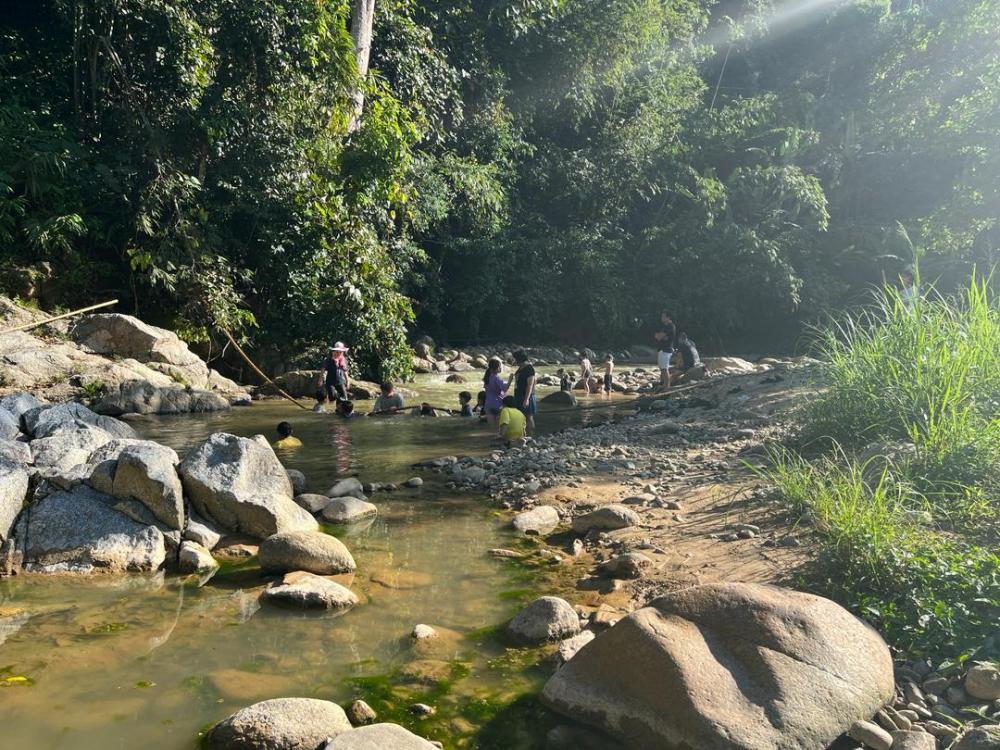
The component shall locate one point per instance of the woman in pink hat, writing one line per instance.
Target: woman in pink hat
(333, 375)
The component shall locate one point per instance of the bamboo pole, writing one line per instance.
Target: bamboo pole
(37, 323)
(257, 370)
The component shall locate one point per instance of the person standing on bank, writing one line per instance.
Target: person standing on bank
(333, 373)
(524, 387)
(665, 346)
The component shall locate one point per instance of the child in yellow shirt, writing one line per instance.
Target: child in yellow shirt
(286, 438)
(511, 425)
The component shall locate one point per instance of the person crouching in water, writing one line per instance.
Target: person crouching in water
(389, 401)
(286, 439)
(465, 400)
(345, 409)
(512, 424)
(609, 370)
(321, 400)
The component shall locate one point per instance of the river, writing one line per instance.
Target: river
(150, 662)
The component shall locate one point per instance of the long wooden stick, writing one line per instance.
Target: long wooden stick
(28, 326)
(257, 370)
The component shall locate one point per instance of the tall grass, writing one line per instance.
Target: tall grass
(908, 532)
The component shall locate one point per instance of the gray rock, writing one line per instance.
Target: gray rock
(606, 518)
(979, 738)
(126, 336)
(194, 558)
(348, 510)
(13, 492)
(474, 475)
(298, 480)
(540, 520)
(45, 421)
(414, 482)
(379, 737)
(312, 551)
(548, 618)
(871, 735)
(312, 502)
(240, 484)
(68, 448)
(201, 531)
(112, 449)
(142, 397)
(421, 631)
(10, 426)
(569, 647)
(80, 532)
(302, 589)
(16, 404)
(714, 666)
(351, 486)
(904, 740)
(279, 724)
(982, 681)
(16, 451)
(102, 476)
(147, 472)
(559, 398)
(628, 565)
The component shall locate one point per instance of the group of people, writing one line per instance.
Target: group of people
(672, 344)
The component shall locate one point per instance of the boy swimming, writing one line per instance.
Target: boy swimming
(286, 439)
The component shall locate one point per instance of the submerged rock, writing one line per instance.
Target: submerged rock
(279, 724)
(312, 502)
(80, 532)
(351, 486)
(302, 589)
(240, 484)
(348, 510)
(379, 737)
(548, 618)
(726, 666)
(312, 551)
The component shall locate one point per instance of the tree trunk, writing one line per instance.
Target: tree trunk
(362, 15)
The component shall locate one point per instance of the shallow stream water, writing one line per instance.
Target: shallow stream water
(149, 662)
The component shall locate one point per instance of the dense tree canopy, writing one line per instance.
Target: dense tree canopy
(526, 170)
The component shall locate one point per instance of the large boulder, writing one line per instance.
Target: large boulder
(312, 551)
(240, 484)
(728, 666)
(45, 421)
(17, 404)
(279, 724)
(16, 451)
(125, 336)
(147, 472)
(560, 398)
(548, 618)
(13, 491)
(142, 397)
(302, 589)
(379, 737)
(79, 531)
(10, 426)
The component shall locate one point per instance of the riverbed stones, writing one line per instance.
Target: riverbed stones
(15, 451)
(312, 551)
(147, 472)
(347, 487)
(606, 518)
(13, 491)
(414, 482)
(306, 590)
(379, 737)
(360, 713)
(240, 484)
(298, 480)
(547, 618)
(728, 665)
(627, 565)
(280, 724)
(348, 510)
(80, 532)
(912, 740)
(540, 520)
(194, 558)
(201, 531)
(982, 681)
(568, 647)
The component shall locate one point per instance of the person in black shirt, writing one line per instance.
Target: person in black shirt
(665, 346)
(691, 367)
(333, 375)
(524, 387)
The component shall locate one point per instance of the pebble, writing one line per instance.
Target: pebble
(413, 482)
(870, 734)
(422, 709)
(499, 552)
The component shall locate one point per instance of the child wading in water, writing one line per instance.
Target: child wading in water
(286, 439)
(465, 399)
(609, 371)
(512, 423)
(495, 389)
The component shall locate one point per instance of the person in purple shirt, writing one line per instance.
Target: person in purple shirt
(495, 388)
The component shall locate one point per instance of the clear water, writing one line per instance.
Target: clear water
(149, 662)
